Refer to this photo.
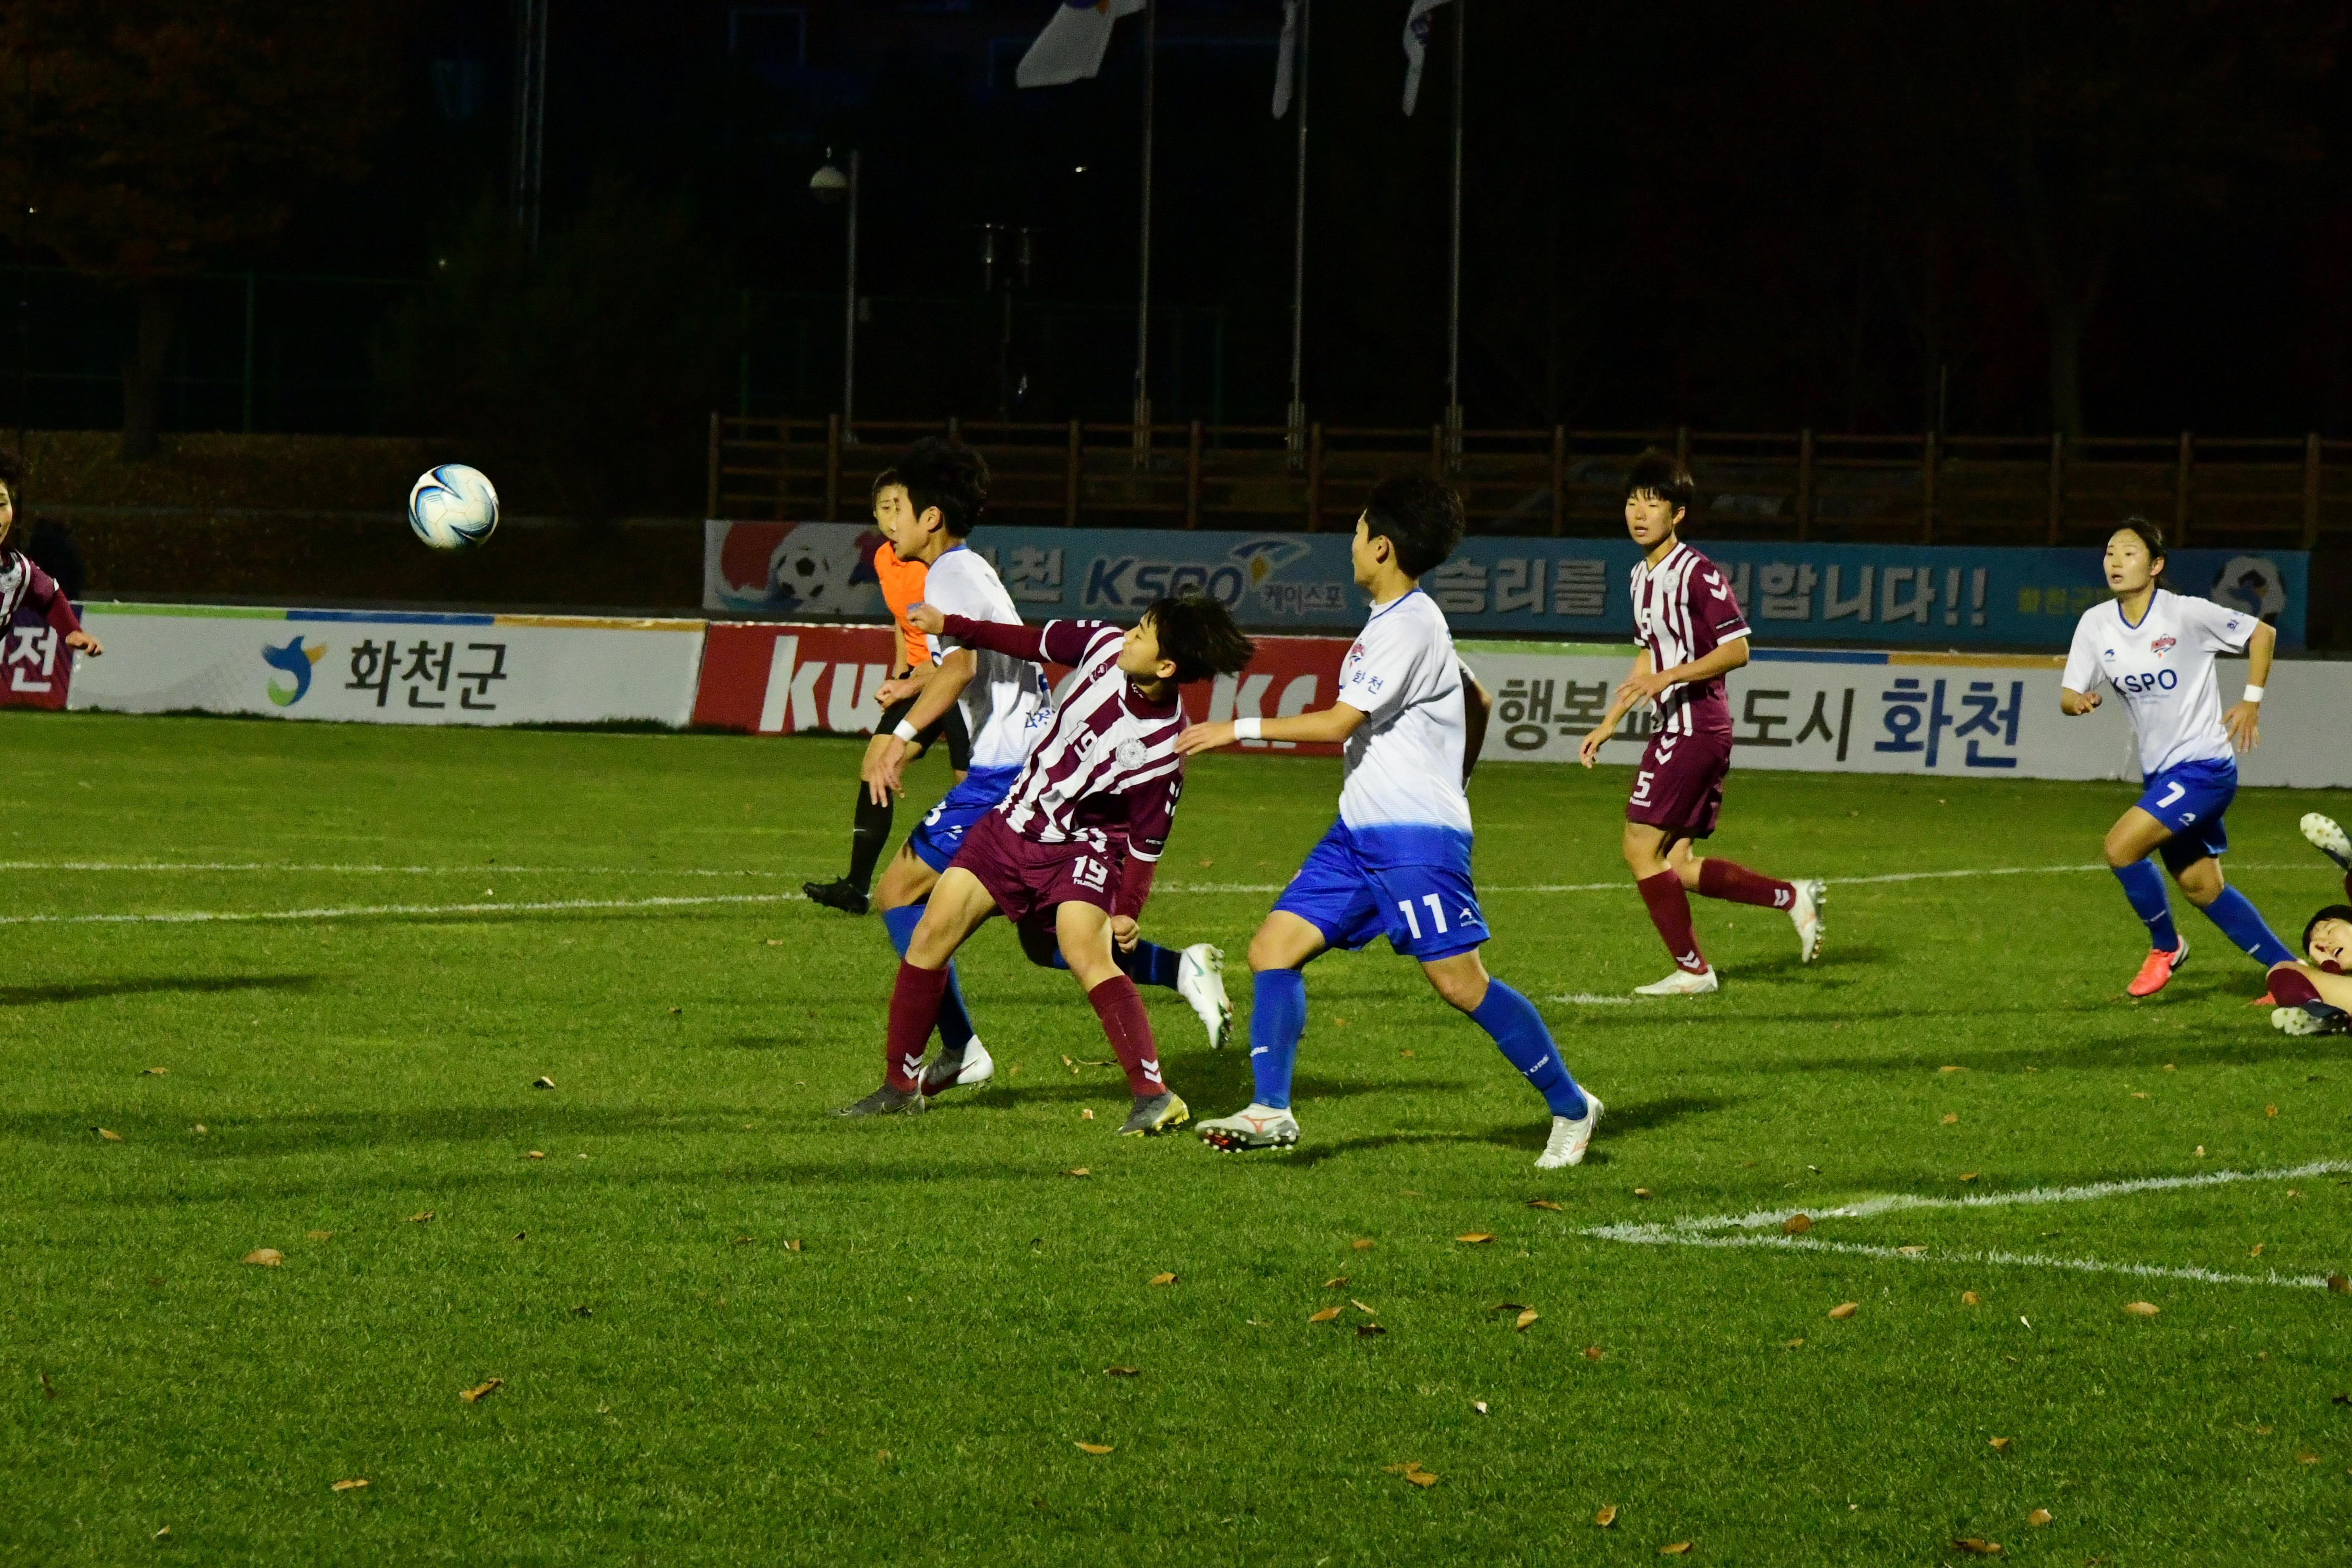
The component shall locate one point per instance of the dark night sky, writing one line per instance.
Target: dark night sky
(1684, 211)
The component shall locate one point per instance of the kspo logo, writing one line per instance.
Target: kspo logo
(2141, 685)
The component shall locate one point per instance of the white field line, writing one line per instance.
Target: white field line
(364, 911)
(1706, 1230)
(1587, 999)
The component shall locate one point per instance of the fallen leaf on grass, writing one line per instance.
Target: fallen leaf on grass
(199, 1129)
(1976, 1547)
(1607, 1516)
(1479, 1406)
(1969, 1175)
(322, 1234)
(2338, 1283)
(1678, 1549)
(1914, 1251)
(1952, 1070)
(420, 1218)
(775, 941)
(2201, 1151)
(2142, 1309)
(1999, 1444)
(2267, 1110)
(1797, 1343)
(1327, 1315)
(1970, 1299)
(2306, 1459)
(267, 1256)
(349, 1486)
(1086, 1115)
(1335, 1281)
(1122, 1372)
(110, 1136)
(1096, 1449)
(1950, 1117)
(1362, 1244)
(1366, 1331)
(1543, 1204)
(1593, 1353)
(794, 1245)
(542, 1083)
(481, 1391)
(536, 1154)
(1641, 1193)
(163, 1534)
(1474, 1237)
(742, 1241)
(2256, 1251)
(583, 1310)
(2140, 1094)
(1522, 1322)
(1078, 1171)
(1361, 1308)
(159, 1072)
(1845, 1308)
(1404, 1053)
(2038, 1517)
(49, 1389)
(1162, 1279)
(1410, 1470)
(1796, 1225)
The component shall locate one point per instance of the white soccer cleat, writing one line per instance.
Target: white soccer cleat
(1254, 1126)
(2328, 838)
(1569, 1139)
(1201, 981)
(1806, 912)
(1681, 983)
(2297, 1021)
(977, 1066)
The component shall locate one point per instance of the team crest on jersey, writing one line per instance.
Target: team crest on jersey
(2159, 645)
(1130, 754)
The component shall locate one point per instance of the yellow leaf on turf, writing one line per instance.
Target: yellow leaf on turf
(1952, 1070)
(2140, 1094)
(1950, 1117)
(322, 1234)
(535, 1154)
(1121, 1372)
(1078, 1171)
(159, 1072)
(1327, 1315)
(1970, 1299)
(1474, 1237)
(1520, 1323)
(1361, 1308)
(481, 1391)
(2000, 1445)
(267, 1256)
(2256, 1251)
(2038, 1517)
(1543, 1204)
(1607, 1516)
(1914, 1251)
(1086, 1115)
(1479, 1406)
(1335, 1281)
(1642, 1192)
(1162, 1279)
(1362, 1244)
(1797, 1343)
(1975, 1547)
(542, 1083)
(1679, 1549)
(110, 1136)
(2306, 1459)
(1095, 1449)
(1796, 1225)
(792, 1245)
(1593, 1353)
(2338, 1283)
(2142, 1309)
(1968, 1176)
(2270, 1111)
(353, 1484)
(1845, 1308)
(420, 1218)
(1421, 1477)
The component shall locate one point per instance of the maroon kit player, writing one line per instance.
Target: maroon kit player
(1692, 634)
(1068, 854)
(24, 585)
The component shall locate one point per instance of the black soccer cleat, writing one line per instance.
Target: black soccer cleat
(886, 1102)
(844, 895)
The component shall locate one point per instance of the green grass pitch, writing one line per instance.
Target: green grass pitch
(730, 1329)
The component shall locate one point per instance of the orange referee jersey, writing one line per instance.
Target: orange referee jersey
(902, 586)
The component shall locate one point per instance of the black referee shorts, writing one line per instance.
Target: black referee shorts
(950, 724)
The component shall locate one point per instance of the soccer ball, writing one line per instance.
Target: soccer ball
(805, 576)
(453, 507)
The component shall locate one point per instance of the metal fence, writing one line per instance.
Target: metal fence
(1990, 490)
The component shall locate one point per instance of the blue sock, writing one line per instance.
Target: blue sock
(2243, 923)
(1148, 964)
(1518, 1031)
(1277, 1018)
(2144, 885)
(955, 1023)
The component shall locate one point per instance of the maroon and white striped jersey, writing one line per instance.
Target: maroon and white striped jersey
(1108, 765)
(1683, 609)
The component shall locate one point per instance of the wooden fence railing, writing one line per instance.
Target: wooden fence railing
(1978, 490)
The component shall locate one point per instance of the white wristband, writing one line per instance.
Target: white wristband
(1248, 729)
(905, 731)
(2253, 693)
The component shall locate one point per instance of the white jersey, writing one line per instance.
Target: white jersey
(2163, 668)
(1005, 705)
(1404, 761)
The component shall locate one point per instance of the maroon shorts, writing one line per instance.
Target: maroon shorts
(1679, 785)
(1027, 878)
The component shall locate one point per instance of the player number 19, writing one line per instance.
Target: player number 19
(1412, 921)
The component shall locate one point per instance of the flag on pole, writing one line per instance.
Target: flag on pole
(1416, 48)
(1286, 58)
(1071, 47)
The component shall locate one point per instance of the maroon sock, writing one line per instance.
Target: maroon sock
(914, 1013)
(2291, 987)
(1729, 880)
(1120, 1007)
(1670, 912)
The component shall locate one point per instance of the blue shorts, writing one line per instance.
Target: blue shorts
(940, 833)
(1411, 884)
(2189, 799)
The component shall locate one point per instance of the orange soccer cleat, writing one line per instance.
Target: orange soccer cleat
(2158, 971)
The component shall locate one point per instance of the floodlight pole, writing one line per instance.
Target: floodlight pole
(530, 114)
(849, 318)
(1294, 441)
(1142, 415)
(1454, 293)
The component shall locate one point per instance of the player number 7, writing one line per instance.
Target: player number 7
(1412, 921)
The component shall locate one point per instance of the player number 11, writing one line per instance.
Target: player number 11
(1412, 921)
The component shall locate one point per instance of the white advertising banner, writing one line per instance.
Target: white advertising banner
(389, 667)
(1956, 715)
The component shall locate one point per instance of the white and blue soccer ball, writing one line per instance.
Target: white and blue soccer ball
(453, 507)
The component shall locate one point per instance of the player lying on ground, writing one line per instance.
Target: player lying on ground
(1044, 858)
(899, 566)
(2315, 997)
(1397, 863)
(1692, 634)
(2156, 648)
(26, 585)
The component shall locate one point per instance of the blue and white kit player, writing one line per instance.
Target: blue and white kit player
(1397, 863)
(1006, 710)
(2156, 648)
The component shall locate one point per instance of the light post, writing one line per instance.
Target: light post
(831, 184)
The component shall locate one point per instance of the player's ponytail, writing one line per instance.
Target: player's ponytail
(2151, 536)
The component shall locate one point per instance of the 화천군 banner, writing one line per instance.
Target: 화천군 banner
(1868, 595)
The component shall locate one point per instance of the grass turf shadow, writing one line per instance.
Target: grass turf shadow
(1639, 1116)
(94, 990)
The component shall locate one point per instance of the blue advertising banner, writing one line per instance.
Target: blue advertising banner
(1882, 596)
